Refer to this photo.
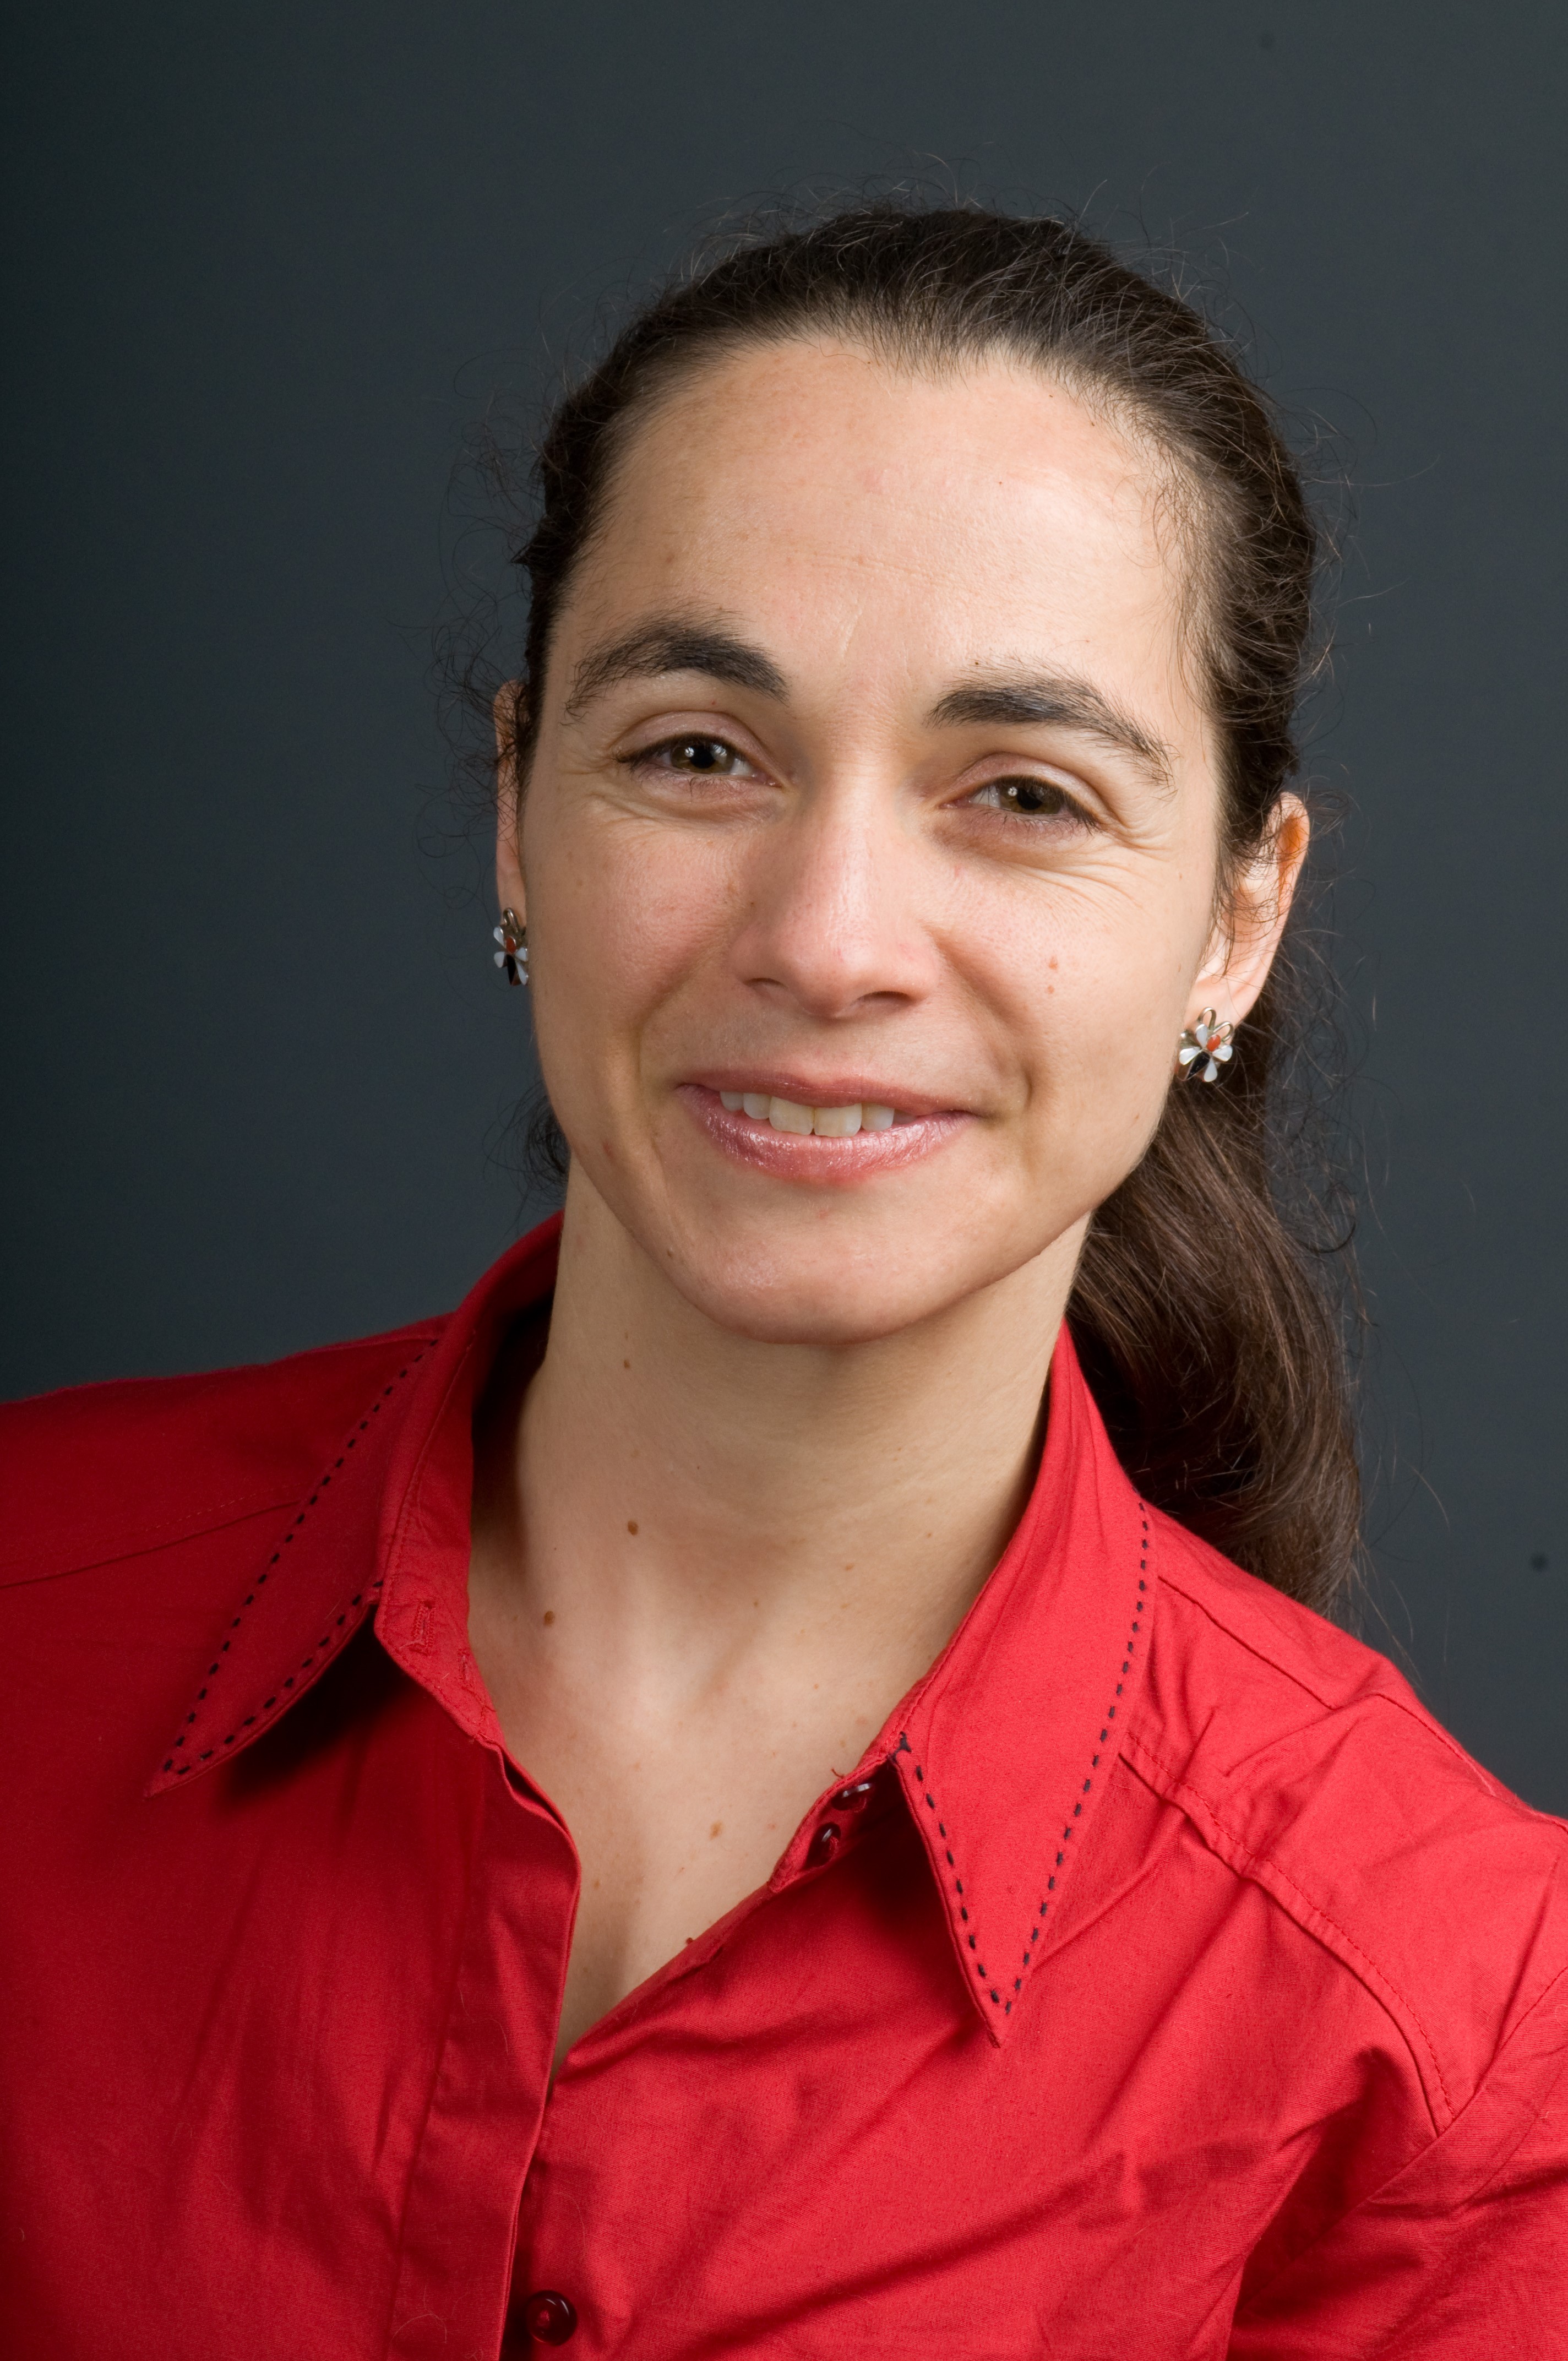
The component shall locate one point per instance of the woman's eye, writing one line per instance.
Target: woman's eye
(1030, 799)
(703, 757)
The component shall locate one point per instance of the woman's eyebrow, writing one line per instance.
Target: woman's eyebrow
(1061, 698)
(673, 646)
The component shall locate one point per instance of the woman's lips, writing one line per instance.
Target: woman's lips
(798, 1155)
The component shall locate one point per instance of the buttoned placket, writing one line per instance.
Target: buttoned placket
(491, 2080)
(552, 2289)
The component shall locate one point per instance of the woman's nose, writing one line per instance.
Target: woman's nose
(833, 921)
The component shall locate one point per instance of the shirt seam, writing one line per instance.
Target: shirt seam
(47, 1561)
(1181, 1786)
(15, 1572)
(1329, 1702)
(1373, 2195)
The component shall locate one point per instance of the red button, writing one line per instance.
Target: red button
(549, 2318)
(850, 1799)
(822, 1845)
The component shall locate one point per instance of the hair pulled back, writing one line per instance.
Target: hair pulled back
(1208, 1322)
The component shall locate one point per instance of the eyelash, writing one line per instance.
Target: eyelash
(1067, 808)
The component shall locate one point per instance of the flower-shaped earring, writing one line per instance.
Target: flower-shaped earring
(1204, 1048)
(512, 936)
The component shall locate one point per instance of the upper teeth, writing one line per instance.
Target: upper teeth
(827, 1122)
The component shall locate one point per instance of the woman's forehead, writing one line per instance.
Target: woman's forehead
(890, 517)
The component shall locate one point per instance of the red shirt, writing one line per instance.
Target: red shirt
(1163, 1981)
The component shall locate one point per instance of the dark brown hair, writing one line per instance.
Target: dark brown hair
(1207, 1310)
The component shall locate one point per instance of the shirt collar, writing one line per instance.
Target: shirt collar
(1002, 1751)
(384, 1531)
(1005, 1748)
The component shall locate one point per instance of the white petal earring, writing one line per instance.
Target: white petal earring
(1204, 1047)
(512, 956)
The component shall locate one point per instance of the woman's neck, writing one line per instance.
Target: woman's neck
(704, 1498)
(705, 1569)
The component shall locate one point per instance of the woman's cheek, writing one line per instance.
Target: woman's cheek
(1102, 1067)
(610, 965)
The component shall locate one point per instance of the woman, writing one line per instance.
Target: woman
(725, 1799)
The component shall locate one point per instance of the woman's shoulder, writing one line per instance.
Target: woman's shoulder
(1309, 1767)
(1255, 1670)
(99, 1472)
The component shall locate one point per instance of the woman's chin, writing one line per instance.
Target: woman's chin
(813, 1317)
(820, 1291)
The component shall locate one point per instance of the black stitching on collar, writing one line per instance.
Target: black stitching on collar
(328, 1638)
(1140, 1604)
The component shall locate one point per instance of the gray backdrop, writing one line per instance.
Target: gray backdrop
(267, 260)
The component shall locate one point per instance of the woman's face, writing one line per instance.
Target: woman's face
(872, 773)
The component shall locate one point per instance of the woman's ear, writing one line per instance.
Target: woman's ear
(507, 710)
(1241, 950)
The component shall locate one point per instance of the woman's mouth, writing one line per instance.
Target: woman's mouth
(797, 1139)
(819, 1122)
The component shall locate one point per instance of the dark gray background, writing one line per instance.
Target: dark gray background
(265, 263)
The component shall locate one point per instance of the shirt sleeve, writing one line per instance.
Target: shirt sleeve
(1463, 2254)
